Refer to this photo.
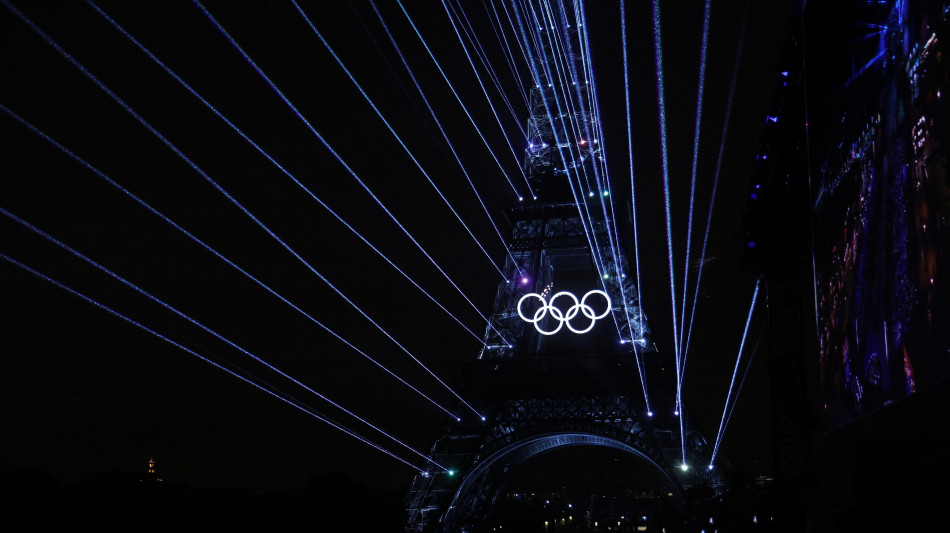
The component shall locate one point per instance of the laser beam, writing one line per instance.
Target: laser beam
(204, 328)
(278, 165)
(214, 252)
(205, 359)
(509, 55)
(546, 63)
(633, 198)
(735, 370)
(745, 374)
(294, 253)
(472, 36)
(459, 99)
(692, 186)
(715, 184)
(388, 126)
(319, 137)
(609, 215)
(481, 85)
(658, 46)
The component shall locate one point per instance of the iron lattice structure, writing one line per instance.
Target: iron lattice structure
(547, 238)
(523, 428)
(541, 392)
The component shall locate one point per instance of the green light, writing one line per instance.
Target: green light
(606, 276)
(606, 193)
(450, 472)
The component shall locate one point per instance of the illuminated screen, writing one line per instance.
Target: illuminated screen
(882, 244)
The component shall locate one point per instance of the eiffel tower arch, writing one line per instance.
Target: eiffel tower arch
(539, 392)
(567, 357)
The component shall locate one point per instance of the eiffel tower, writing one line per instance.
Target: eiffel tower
(540, 384)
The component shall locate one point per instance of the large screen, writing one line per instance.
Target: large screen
(882, 243)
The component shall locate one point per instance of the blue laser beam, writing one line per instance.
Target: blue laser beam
(555, 69)
(391, 130)
(173, 148)
(565, 68)
(205, 359)
(509, 55)
(692, 187)
(472, 36)
(588, 64)
(745, 374)
(606, 205)
(866, 66)
(438, 124)
(735, 371)
(588, 70)
(552, 76)
(280, 167)
(633, 197)
(204, 328)
(528, 39)
(658, 46)
(689, 230)
(715, 184)
(323, 278)
(601, 179)
(459, 100)
(554, 73)
(227, 195)
(521, 46)
(214, 252)
(564, 71)
(319, 137)
(557, 72)
(491, 106)
(278, 239)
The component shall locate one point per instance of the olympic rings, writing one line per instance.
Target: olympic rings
(564, 317)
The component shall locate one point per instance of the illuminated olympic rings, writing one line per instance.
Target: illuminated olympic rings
(564, 317)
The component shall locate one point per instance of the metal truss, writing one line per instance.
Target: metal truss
(482, 456)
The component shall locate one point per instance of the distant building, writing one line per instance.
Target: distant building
(151, 475)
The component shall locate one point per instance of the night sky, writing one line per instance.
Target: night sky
(82, 391)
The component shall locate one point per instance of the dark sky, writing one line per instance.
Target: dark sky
(82, 391)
